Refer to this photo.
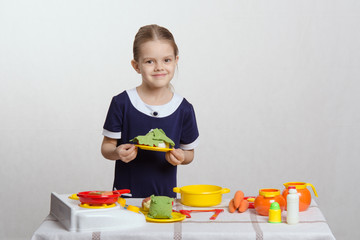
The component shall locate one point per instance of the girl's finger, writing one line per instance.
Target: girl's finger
(174, 160)
(129, 146)
(176, 153)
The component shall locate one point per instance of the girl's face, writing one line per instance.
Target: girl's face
(157, 63)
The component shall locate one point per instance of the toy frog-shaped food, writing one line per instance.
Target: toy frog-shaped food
(155, 138)
(160, 207)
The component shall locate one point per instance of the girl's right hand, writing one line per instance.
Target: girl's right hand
(127, 152)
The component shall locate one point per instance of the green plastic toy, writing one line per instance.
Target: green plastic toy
(153, 138)
(160, 207)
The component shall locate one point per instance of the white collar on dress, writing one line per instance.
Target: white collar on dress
(158, 111)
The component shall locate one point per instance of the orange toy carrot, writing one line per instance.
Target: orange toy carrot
(231, 206)
(239, 196)
(244, 205)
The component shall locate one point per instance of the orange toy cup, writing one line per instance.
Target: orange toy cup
(266, 197)
(302, 191)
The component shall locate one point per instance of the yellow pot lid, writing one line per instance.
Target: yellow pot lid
(269, 192)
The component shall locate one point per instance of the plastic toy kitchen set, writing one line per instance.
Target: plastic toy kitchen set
(107, 210)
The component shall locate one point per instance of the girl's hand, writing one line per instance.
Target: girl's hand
(126, 152)
(175, 157)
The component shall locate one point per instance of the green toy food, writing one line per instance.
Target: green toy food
(160, 207)
(155, 138)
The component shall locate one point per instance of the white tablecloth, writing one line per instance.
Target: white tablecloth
(247, 225)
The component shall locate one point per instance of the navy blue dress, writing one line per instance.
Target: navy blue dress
(149, 173)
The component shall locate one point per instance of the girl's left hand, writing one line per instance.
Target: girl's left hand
(175, 157)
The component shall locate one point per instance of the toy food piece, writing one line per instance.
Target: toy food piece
(232, 208)
(146, 204)
(101, 193)
(160, 207)
(155, 138)
(238, 203)
(238, 197)
(244, 205)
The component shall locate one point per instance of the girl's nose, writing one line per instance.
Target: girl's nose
(159, 66)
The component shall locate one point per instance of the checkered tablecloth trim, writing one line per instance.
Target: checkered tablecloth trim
(96, 236)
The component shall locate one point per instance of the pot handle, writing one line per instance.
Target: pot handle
(225, 190)
(122, 191)
(176, 189)
(74, 196)
(313, 188)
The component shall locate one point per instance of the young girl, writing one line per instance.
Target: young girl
(151, 105)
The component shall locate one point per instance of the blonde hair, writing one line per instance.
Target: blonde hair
(149, 33)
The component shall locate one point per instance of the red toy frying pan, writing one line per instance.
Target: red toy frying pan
(100, 197)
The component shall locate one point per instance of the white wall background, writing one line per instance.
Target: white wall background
(275, 86)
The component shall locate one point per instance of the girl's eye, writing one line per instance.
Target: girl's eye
(167, 60)
(149, 61)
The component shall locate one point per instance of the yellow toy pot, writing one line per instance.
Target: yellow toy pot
(201, 195)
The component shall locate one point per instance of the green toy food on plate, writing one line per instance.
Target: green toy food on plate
(155, 138)
(160, 207)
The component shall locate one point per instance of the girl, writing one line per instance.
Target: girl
(151, 105)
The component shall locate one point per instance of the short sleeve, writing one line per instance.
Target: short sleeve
(190, 132)
(113, 121)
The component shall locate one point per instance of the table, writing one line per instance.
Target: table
(247, 225)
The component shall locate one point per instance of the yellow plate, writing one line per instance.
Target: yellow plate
(158, 149)
(176, 217)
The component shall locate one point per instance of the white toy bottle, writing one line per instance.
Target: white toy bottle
(292, 201)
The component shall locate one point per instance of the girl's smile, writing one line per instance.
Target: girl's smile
(159, 75)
